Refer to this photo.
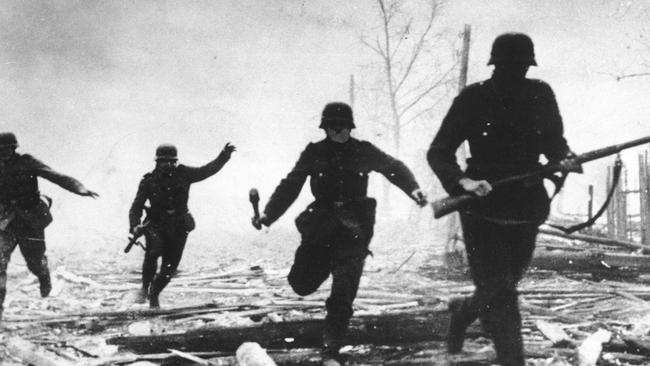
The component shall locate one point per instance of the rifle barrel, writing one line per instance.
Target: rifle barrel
(610, 150)
(450, 204)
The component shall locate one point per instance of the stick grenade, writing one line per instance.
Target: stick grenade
(254, 197)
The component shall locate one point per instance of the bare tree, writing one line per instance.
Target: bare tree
(415, 66)
(639, 44)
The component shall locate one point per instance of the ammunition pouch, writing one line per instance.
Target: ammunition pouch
(38, 215)
(178, 219)
(188, 222)
(321, 221)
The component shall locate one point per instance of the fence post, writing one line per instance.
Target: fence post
(611, 209)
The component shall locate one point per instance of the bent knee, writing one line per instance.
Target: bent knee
(301, 287)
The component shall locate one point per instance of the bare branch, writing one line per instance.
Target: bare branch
(427, 110)
(418, 47)
(401, 37)
(625, 76)
(427, 91)
(377, 50)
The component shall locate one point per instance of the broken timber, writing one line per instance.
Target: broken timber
(391, 328)
(33, 354)
(562, 260)
(597, 240)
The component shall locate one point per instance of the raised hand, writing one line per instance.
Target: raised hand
(228, 149)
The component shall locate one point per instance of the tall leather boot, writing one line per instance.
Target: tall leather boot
(149, 266)
(45, 283)
(332, 343)
(461, 316)
(505, 328)
(158, 284)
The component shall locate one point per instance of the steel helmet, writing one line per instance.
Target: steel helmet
(166, 152)
(337, 113)
(510, 47)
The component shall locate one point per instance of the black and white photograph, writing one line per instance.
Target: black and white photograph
(325, 182)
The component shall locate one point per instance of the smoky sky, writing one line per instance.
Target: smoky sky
(92, 87)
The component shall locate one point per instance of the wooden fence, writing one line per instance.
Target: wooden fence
(626, 221)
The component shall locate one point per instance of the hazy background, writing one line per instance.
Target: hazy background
(92, 87)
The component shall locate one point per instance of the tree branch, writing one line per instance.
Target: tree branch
(418, 47)
(625, 76)
(401, 37)
(426, 91)
(426, 110)
(377, 50)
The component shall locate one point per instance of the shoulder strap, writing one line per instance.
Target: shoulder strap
(618, 167)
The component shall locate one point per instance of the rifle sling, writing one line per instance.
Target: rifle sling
(618, 167)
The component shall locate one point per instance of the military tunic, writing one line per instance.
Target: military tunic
(168, 218)
(507, 129)
(25, 214)
(337, 226)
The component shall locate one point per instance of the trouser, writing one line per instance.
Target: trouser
(344, 258)
(31, 241)
(498, 256)
(167, 240)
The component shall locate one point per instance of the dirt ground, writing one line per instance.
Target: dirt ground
(93, 274)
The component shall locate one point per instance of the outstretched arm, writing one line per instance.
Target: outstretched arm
(198, 174)
(62, 180)
(396, 172)
(288, 189)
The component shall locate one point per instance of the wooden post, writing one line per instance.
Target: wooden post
(464, 61)
(643, 199)
(611, 210)
(617, 218)
(645, 193)
(590, 204)
(621, 220)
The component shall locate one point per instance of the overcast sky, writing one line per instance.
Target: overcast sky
(92, 87)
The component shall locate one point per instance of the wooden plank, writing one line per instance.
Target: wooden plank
(251, 354)
(588, 260)
(554, 333)
(588, 353)
(33, 354)
(407, 326)
(595, 239)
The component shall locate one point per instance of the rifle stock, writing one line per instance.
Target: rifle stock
(447, 205)
(450, 204)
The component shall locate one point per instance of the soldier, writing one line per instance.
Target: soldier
(168, 220)
(337, 227)
(24, 213)
(509, 121)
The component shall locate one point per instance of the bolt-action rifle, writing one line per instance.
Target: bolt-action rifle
(450, 204)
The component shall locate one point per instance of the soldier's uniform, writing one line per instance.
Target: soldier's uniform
(507, 127)
(24, 214)
(336, 228)
(167, 218)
